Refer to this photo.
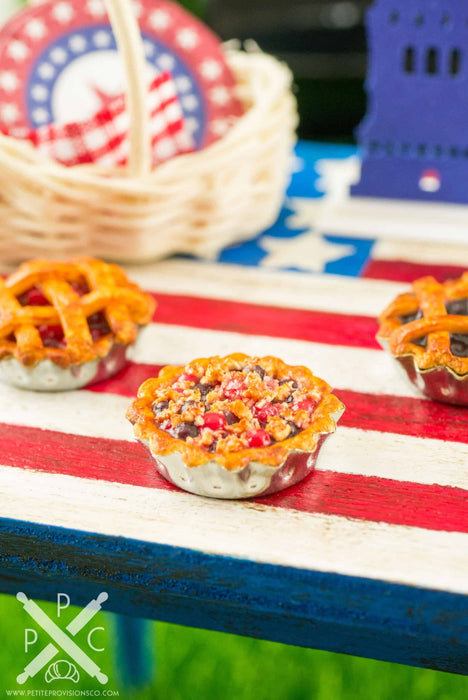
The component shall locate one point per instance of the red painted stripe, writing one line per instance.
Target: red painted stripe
(402, 271)
(331, 493)
(255, 319)
(380, 412)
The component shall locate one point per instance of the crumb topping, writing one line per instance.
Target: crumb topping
(220, 407)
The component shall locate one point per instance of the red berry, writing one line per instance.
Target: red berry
(52, 336)
(165, 425)
(214, 421)
(98, 326)
(186, 377)
(307, 405)
(234, 388)
(267, 411)
(34, 297)
(260, 438)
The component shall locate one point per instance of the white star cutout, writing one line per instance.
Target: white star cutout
(63, 12)
(58, 55)
(211, 70)
(220, 95)
(9, 81)
(183, 84)
(308, 251)
(102, 39)
(9, 113)
(159, 19)
(39, 93)
(77, 43)
(36, 29)
(187, 38)
(41, 115)
(96, 8)
(166, 61)
(190, 103)
(46, 71)
(18, 51)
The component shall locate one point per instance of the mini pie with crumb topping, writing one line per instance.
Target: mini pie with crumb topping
(64, 325)
(236, 426)
(426, 331)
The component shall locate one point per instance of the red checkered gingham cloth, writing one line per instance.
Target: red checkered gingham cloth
(103, 139)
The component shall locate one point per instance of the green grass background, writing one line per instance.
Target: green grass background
(197, 665)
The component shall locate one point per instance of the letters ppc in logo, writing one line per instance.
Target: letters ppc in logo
(61, 640)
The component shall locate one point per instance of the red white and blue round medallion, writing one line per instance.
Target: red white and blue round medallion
(59, 63)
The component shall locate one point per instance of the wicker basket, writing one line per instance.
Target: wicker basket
(196, 203)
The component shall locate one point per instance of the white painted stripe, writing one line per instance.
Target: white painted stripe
(74, 412)
(289, 538)
(421, 252)
(359, 369)
(399, 457)
(350, 451)
(331, 293)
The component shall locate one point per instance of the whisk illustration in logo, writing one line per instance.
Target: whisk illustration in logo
(61, 641)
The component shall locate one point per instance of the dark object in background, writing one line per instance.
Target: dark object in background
(323, 41)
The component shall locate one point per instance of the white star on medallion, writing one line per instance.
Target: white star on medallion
(18, 51)
(77, 43)
(159, 19)
(220, 95)
(96, 8)
(187, 38)
(9, 81)
(41, 116)
(102, 39)
(219, 126)
(39, 93)
(9, 113)
(183, 84)
(211, 70)
(63, 12)
(58, 55)
(46, 71)
(166, 61)
(149, 48)
(190, 103)
(192, 125)
(36, 29)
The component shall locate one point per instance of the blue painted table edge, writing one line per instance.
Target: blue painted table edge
(359, 616)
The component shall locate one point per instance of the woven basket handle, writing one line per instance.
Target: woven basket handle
(129, 41)
(130, 44)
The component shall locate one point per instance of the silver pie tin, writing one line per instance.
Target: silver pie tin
(255, 479)
(47, 376)
(438, 383)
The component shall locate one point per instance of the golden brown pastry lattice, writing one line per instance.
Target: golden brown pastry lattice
(75, 291)
(430, 323)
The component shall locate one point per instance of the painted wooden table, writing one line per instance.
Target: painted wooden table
(368, 556)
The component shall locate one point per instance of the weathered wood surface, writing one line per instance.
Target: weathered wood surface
(367, 556)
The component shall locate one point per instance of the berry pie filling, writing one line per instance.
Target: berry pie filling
(430, 324)
(52, 335)
(70, 313)
(223, 407)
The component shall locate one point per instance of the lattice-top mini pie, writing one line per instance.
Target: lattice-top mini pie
(236, 426)
(426, 330)
(65, 325)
